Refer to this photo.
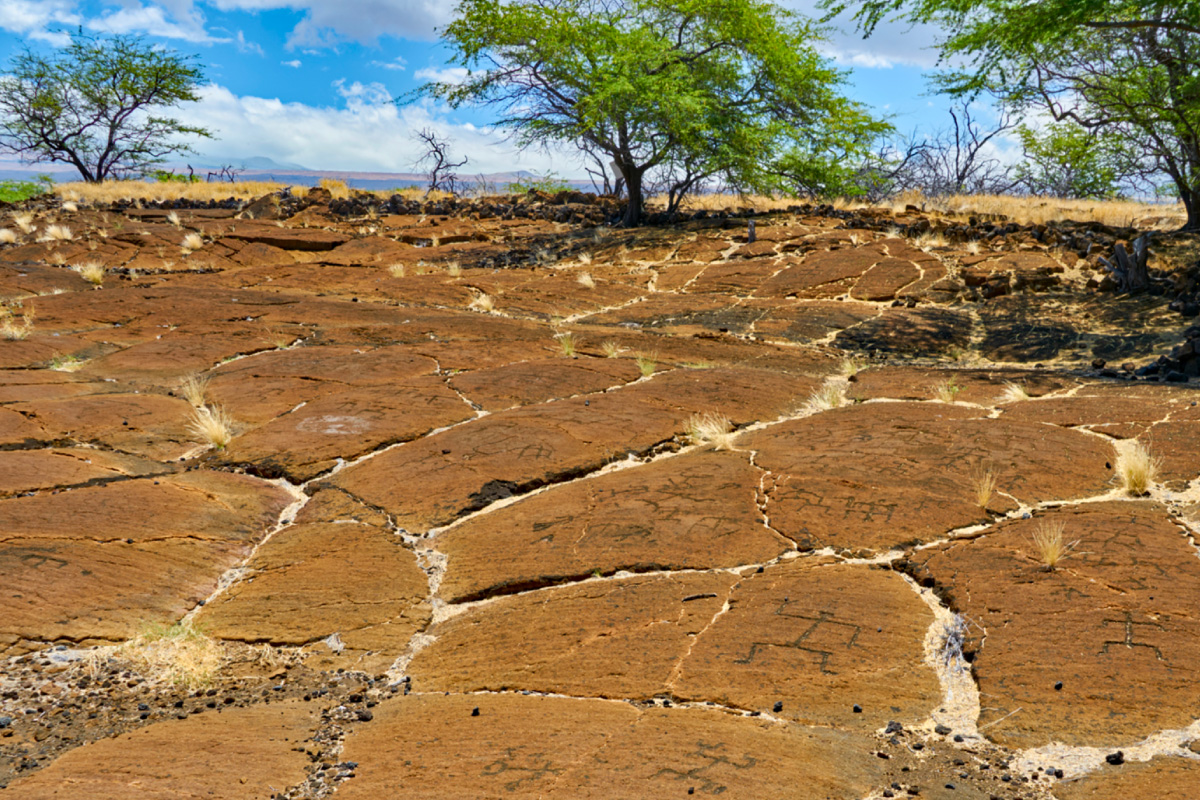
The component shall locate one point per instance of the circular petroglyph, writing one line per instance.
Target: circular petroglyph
(334, 425)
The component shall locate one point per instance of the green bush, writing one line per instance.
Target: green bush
(16, 191)
(550, 183)
(170, 176)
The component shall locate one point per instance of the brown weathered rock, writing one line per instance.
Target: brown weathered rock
(310, 581)
(433, 747)
(1113, 624)
(1161, 778)
(539, 381)
(692, 512)
(246, 752)
(848, 478)
(30, 470)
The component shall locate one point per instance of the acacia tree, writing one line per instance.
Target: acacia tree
(1123, 68)
(700, 88)
(93, 103)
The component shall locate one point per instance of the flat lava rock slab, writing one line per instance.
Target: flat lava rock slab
(848, 478)
(252, 752)
(33, 470)
(514, 451)
(1163, 778)
(149, 425)
(310, 440)
(984, 387)
(526, 746)
(103, 561)
(820, 639)
(694, 511)
(309, 581)
(911, 331)
(538, 381)
(1114, 624)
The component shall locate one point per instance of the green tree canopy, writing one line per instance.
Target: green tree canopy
(671, 91)
(1127, 69)
(93, 105)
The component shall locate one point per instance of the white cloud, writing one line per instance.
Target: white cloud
(891, 44)
(453, 75)
(246, 46)
(369, 133)
(188, 23)
(396, 64)
(327, 22)
(32, 18)
(294, 63)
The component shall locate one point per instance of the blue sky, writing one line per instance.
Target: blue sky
(311, 82)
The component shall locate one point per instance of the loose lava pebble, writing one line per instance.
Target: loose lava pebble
(1116, 759)
(778, 706)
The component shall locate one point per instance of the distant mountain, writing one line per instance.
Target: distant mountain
(263, 162)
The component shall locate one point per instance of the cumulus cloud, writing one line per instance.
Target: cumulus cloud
(368, 133)
(327, 22)
(454, 75)
(170, 20)
(892, 43)
(33, 18)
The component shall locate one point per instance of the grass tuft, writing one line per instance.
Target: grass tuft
(947, 391)
(191, 242)
(8, 236)
(711, 428)
(1048, 541)
(1137, 468)
(482, 302)
(646, 363)
(173, 218)
(454, 269)
(830, 396)
(56, 233)
(24, 221)
(1014, 393)
(91, 271)
(397, 270)
(567, 344)
(611, 349)
(178, 654)
(851, 366)
(194, 389)
(586, 281)
(12, 329)
(984, 481)
(212, 426)
(67, 363)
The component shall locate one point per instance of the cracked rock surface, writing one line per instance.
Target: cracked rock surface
(508, 504)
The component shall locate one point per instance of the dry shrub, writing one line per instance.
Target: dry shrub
(711, 428)
(179, 654)
(212, 426)
(91, 271)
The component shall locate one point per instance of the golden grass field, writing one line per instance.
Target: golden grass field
(1025, 210)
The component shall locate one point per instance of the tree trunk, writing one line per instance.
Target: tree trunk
(633, 188)
(1191, 202)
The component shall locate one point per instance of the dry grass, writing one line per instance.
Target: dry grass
(173, 218)
(194, 389)
(586, 281)
(178, 654)
(1136, 468)
(710, 428)
(454, 269)
(1049, 544)
(70, 207)
(482, 302)
(11, 328)
(112, 191)
(397, 270)
(24, 221)
(831, 395)
(8, 236)
(567, 344)
(611, 349)
(56, 233)
(212, 426)
(335, 187)
(974, 247)
(851, 366)
(67, 363)
(1036, 210)
(947, 391)
(191, 242)
(1014, 393)
(647, 363)
(91, 271)
(984, 482)
(930, 240)
(585, 258)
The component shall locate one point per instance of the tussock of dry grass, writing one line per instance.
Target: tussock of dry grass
(1049, 544)
(56, 233)
(831, 395)
(647, 363)
(1014, 393)
(1136, 468)
(173, 218)
(24, 221)
(194, 389)
(711, 428)
(984, 482)
(14, 329)
(851, 366)
(568, 343)
(212, 426)
(454, 269)
(947, 391)
(191, 242)
(179, 654)
(8, 236)
(586, 281)
(397, 270)
(611, 349)
(482, 302)
(91, 271)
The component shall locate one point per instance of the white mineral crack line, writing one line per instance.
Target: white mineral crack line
(1077, 761)
(959, 709)
(233, 575)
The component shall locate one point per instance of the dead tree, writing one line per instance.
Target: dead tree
(1130, 272)
(440, 169)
